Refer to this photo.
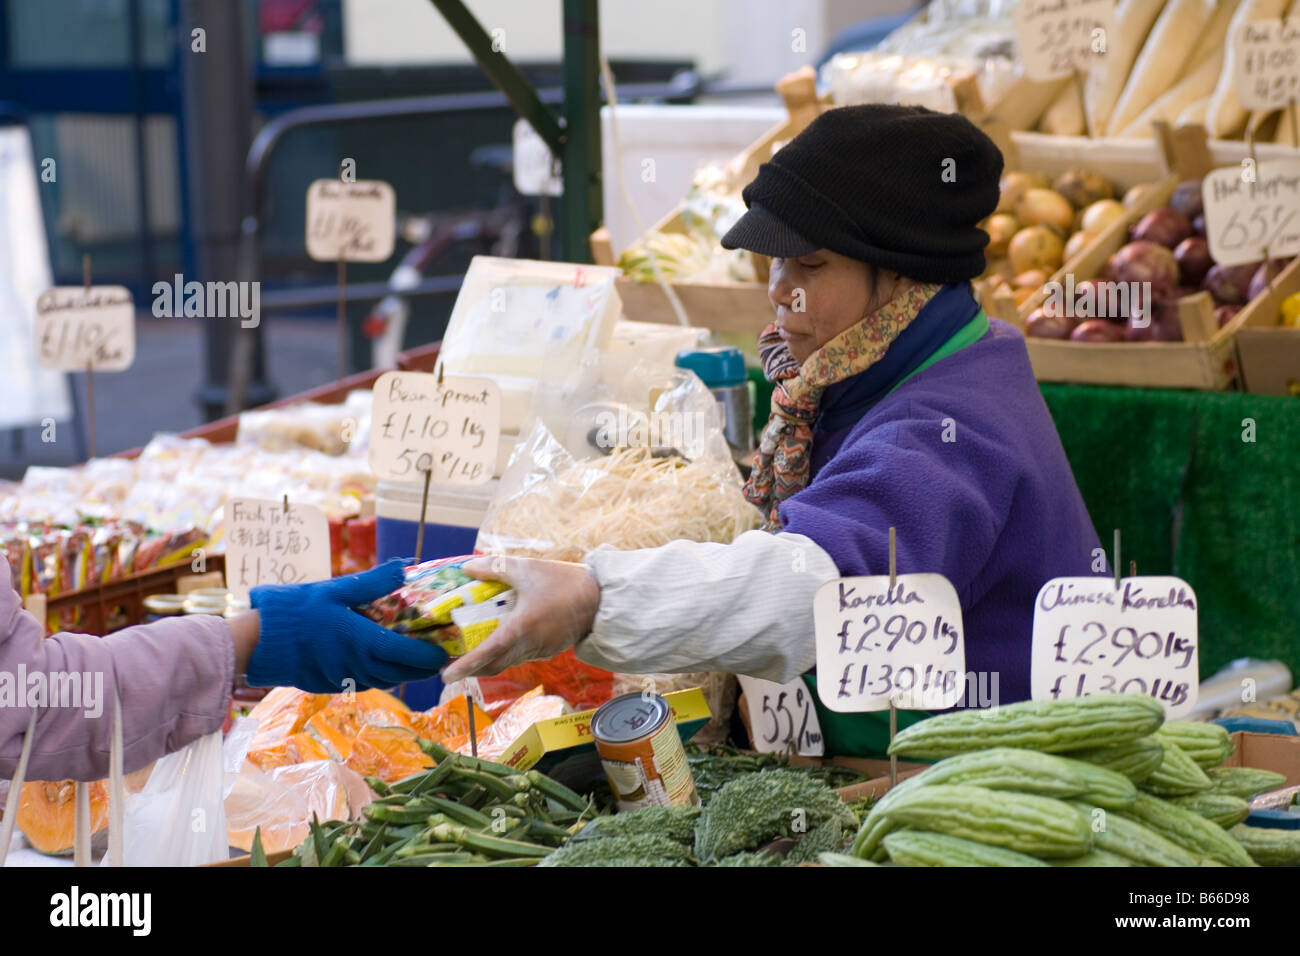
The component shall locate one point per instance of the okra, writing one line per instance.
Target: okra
(416, 849)
(542, 828)
(431, 858)
(486, 843)
(440, 753)
(556, 791)
(460, 814)
(383, 813)
(474, 797)
(518, 861)
(379, 786)
(493, 785)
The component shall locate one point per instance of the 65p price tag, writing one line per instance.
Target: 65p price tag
(1253, 213)
(1267, 63)
(450, 430)
(353, 221)
(782, 716)
(78, 328)
(269, 542)
(1093, 638)
(1060, 37)
(878, 645)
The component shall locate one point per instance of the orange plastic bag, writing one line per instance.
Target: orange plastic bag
(449, 720)
(514, 720)
(583, 686)
(389, 753)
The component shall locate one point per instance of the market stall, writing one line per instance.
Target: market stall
(577, 419)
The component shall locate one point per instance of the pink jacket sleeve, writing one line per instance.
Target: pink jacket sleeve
(173, 677)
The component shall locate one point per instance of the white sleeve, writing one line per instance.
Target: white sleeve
(744, 607)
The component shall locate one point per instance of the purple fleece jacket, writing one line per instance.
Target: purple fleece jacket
(994, 507)
(173, 677)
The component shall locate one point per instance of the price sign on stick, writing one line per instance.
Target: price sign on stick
(878, 645)
(354, 222)
(1251, 221)
(1091, 637)
(1267, 63)
(450, 430)
(79, 328)
(782, 716)
(1059, 37)
(274, 542)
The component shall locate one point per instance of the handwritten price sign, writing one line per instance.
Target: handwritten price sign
(351, 221)
(1059, 37)
(265, 544)
(1091, 638)
(1244, 219)
(1267, 63)
(782, 716)
(877, 645)
(451, 430)
(77, 328)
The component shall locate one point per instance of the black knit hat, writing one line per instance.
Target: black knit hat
(901, 187)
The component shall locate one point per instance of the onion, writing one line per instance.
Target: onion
(1187, 199)
(1101, 214)
(1193, 257)
(1267, 272)
(1030, 279)
(1036, 247)
(1230, 285)
(1224, 314)
(1000, 227)
(1014, 185)
(1043, 207)
(1164, 226)
(1041, 325)
(1134, 195)
(1097, 330)
(1074, 245)
(1083, 187)
(1142, 261)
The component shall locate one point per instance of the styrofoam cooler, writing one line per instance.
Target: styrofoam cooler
(451, 523)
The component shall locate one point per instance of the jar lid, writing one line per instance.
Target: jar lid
(164, 603)
(213, 594)
(717, 368)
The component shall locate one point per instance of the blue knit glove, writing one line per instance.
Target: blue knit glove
(312, 639)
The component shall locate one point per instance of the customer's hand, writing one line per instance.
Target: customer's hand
(555, 606)
(312, 639)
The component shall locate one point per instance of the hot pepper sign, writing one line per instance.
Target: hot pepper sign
(1092, 636)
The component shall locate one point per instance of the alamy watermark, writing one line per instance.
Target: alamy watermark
(656, 430)
(208, 300)
(1099, 299)
(63, 689)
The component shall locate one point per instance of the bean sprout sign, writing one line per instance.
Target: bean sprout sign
(449, 430)
(268, 542)
(1091, 637)
(782, 717)
(878, 645)
(1267, 63)
(1250, 219)
(79, 328)
(1060, 37)
(353, 221)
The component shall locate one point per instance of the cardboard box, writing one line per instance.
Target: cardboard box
(548, 741)
(1277, 752)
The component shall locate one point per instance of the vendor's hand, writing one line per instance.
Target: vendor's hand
(555, 606)
(312, 639)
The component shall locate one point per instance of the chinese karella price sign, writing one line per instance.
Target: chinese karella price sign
(451, 430)
(1091, 637)
(1060, 37)
(267, 543)
(79, 328)
(878, 645)
(1267, 62)
(782, 716)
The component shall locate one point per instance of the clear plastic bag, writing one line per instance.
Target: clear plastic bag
(178, 818)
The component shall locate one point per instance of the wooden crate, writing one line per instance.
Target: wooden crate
(1268, 353)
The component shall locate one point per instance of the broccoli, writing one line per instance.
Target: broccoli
(638, 850)
(751, 810)
(675, 823)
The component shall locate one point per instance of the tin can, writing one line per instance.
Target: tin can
(642, 753)
(158, 606)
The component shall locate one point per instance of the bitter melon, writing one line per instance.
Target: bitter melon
(1207, 744)
(923, 848)
(1177, 775)
(1039, 826)
(1188, 830)
(1127, 838)
(1095, 857)
(1221, 808)
(1051, 726)
(1244, 782)
(1268, 846)
(1137, 759)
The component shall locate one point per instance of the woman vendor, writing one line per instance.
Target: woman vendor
(898, 403)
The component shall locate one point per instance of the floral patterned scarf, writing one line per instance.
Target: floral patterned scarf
(783, 461)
